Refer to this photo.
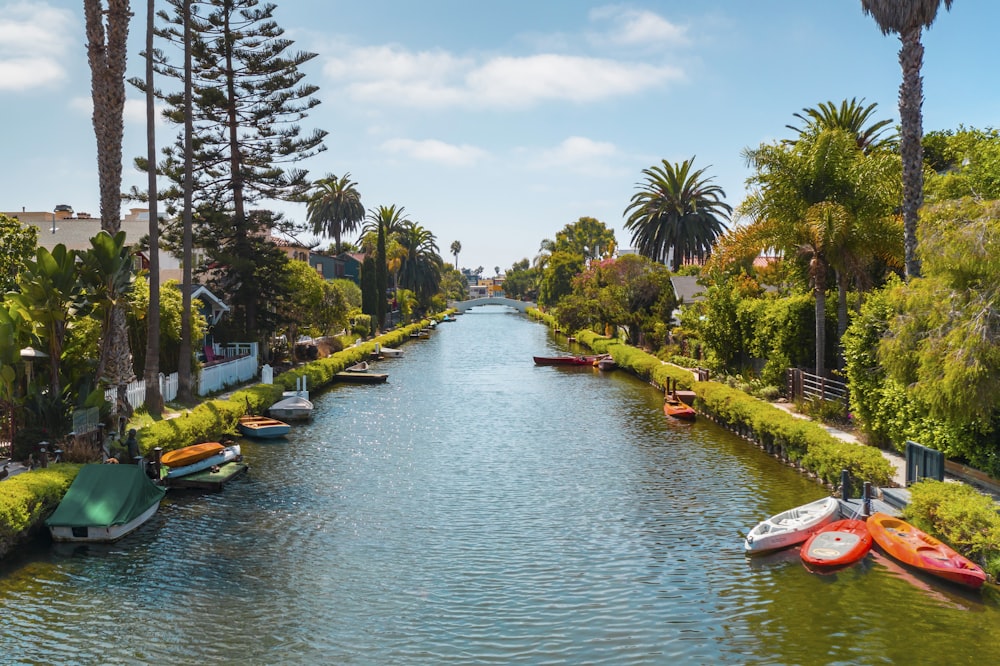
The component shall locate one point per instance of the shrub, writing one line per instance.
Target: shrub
(961, 516)
(28, 497)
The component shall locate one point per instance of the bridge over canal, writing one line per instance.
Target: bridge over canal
(463, 306)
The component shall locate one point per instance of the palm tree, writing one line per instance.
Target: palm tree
(822, 199)
(107, 37)
(334, 208)
(108, 274)
(545, 250)
(907, 18)
(421, 269)
(456, 247)
(676, 209)
(389, 218)
(850, 117)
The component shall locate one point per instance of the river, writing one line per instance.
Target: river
(477, 509)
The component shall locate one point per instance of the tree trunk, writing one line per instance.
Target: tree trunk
(151, 372)
(911, 99)
(184, 389)
(841, 315)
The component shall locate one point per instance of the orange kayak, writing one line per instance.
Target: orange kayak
(189, 455)
(678, 410)
(911, 546)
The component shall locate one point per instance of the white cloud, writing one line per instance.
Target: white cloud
(432, 150)
(581, 155)
(392, 76)
(39, 30)
(638, 27)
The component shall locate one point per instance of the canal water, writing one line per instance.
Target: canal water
(477, 509)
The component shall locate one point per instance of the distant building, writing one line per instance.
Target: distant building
(74, 230)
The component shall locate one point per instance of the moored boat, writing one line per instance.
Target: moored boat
(361, 377)
(791, 527)
(920, 550)
(837, 544)
(606, 364)
(677, 409)
(227, 454)
(292, 408)
(104, 503)
(188, 455)
(262, 427)
(565, 360)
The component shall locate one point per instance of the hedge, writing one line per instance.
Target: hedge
(801, 441)
(215, 419)
(959, 515)
(28, 498)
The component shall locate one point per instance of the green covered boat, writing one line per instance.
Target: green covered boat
(104, 503)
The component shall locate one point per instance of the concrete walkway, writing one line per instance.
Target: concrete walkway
(897, 461)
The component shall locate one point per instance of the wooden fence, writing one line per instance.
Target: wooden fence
(807, 386)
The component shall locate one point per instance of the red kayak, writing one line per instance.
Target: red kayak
(565, 360)
(837, 544)
(920, 550)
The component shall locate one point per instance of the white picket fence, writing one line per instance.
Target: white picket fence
(213, 377)
(220, 375)
(135, 391)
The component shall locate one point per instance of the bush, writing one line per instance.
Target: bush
(25, 440)
(30, 496)
(961, 516)
(800, 440)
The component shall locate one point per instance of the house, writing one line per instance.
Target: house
(352, 265)
(74, 230)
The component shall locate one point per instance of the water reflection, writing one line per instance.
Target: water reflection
(475, 509)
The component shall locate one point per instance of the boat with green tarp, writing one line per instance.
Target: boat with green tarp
(104, 503)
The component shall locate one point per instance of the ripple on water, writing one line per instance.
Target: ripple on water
(479, 509)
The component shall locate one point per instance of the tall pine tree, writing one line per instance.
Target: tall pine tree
(248, 96)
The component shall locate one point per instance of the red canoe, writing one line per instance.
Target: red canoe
(678, 410)
(837, 544)
(565, 360)
(920, 550)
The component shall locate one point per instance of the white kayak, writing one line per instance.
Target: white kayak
(791, 527)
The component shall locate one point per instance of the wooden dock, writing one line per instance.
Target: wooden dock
(208, 479)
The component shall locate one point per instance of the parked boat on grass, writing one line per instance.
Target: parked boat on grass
(837, 544)
(262, 427)
(791, 527)
(104, 503)
(920, 550)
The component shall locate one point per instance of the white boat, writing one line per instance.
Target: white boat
(389, 352)
(228, 454)
(292, 408)
(104, 503)
(791, 527)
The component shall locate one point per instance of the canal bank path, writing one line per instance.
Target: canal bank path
(897, 461)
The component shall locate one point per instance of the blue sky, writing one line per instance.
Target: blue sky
(496, 124)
